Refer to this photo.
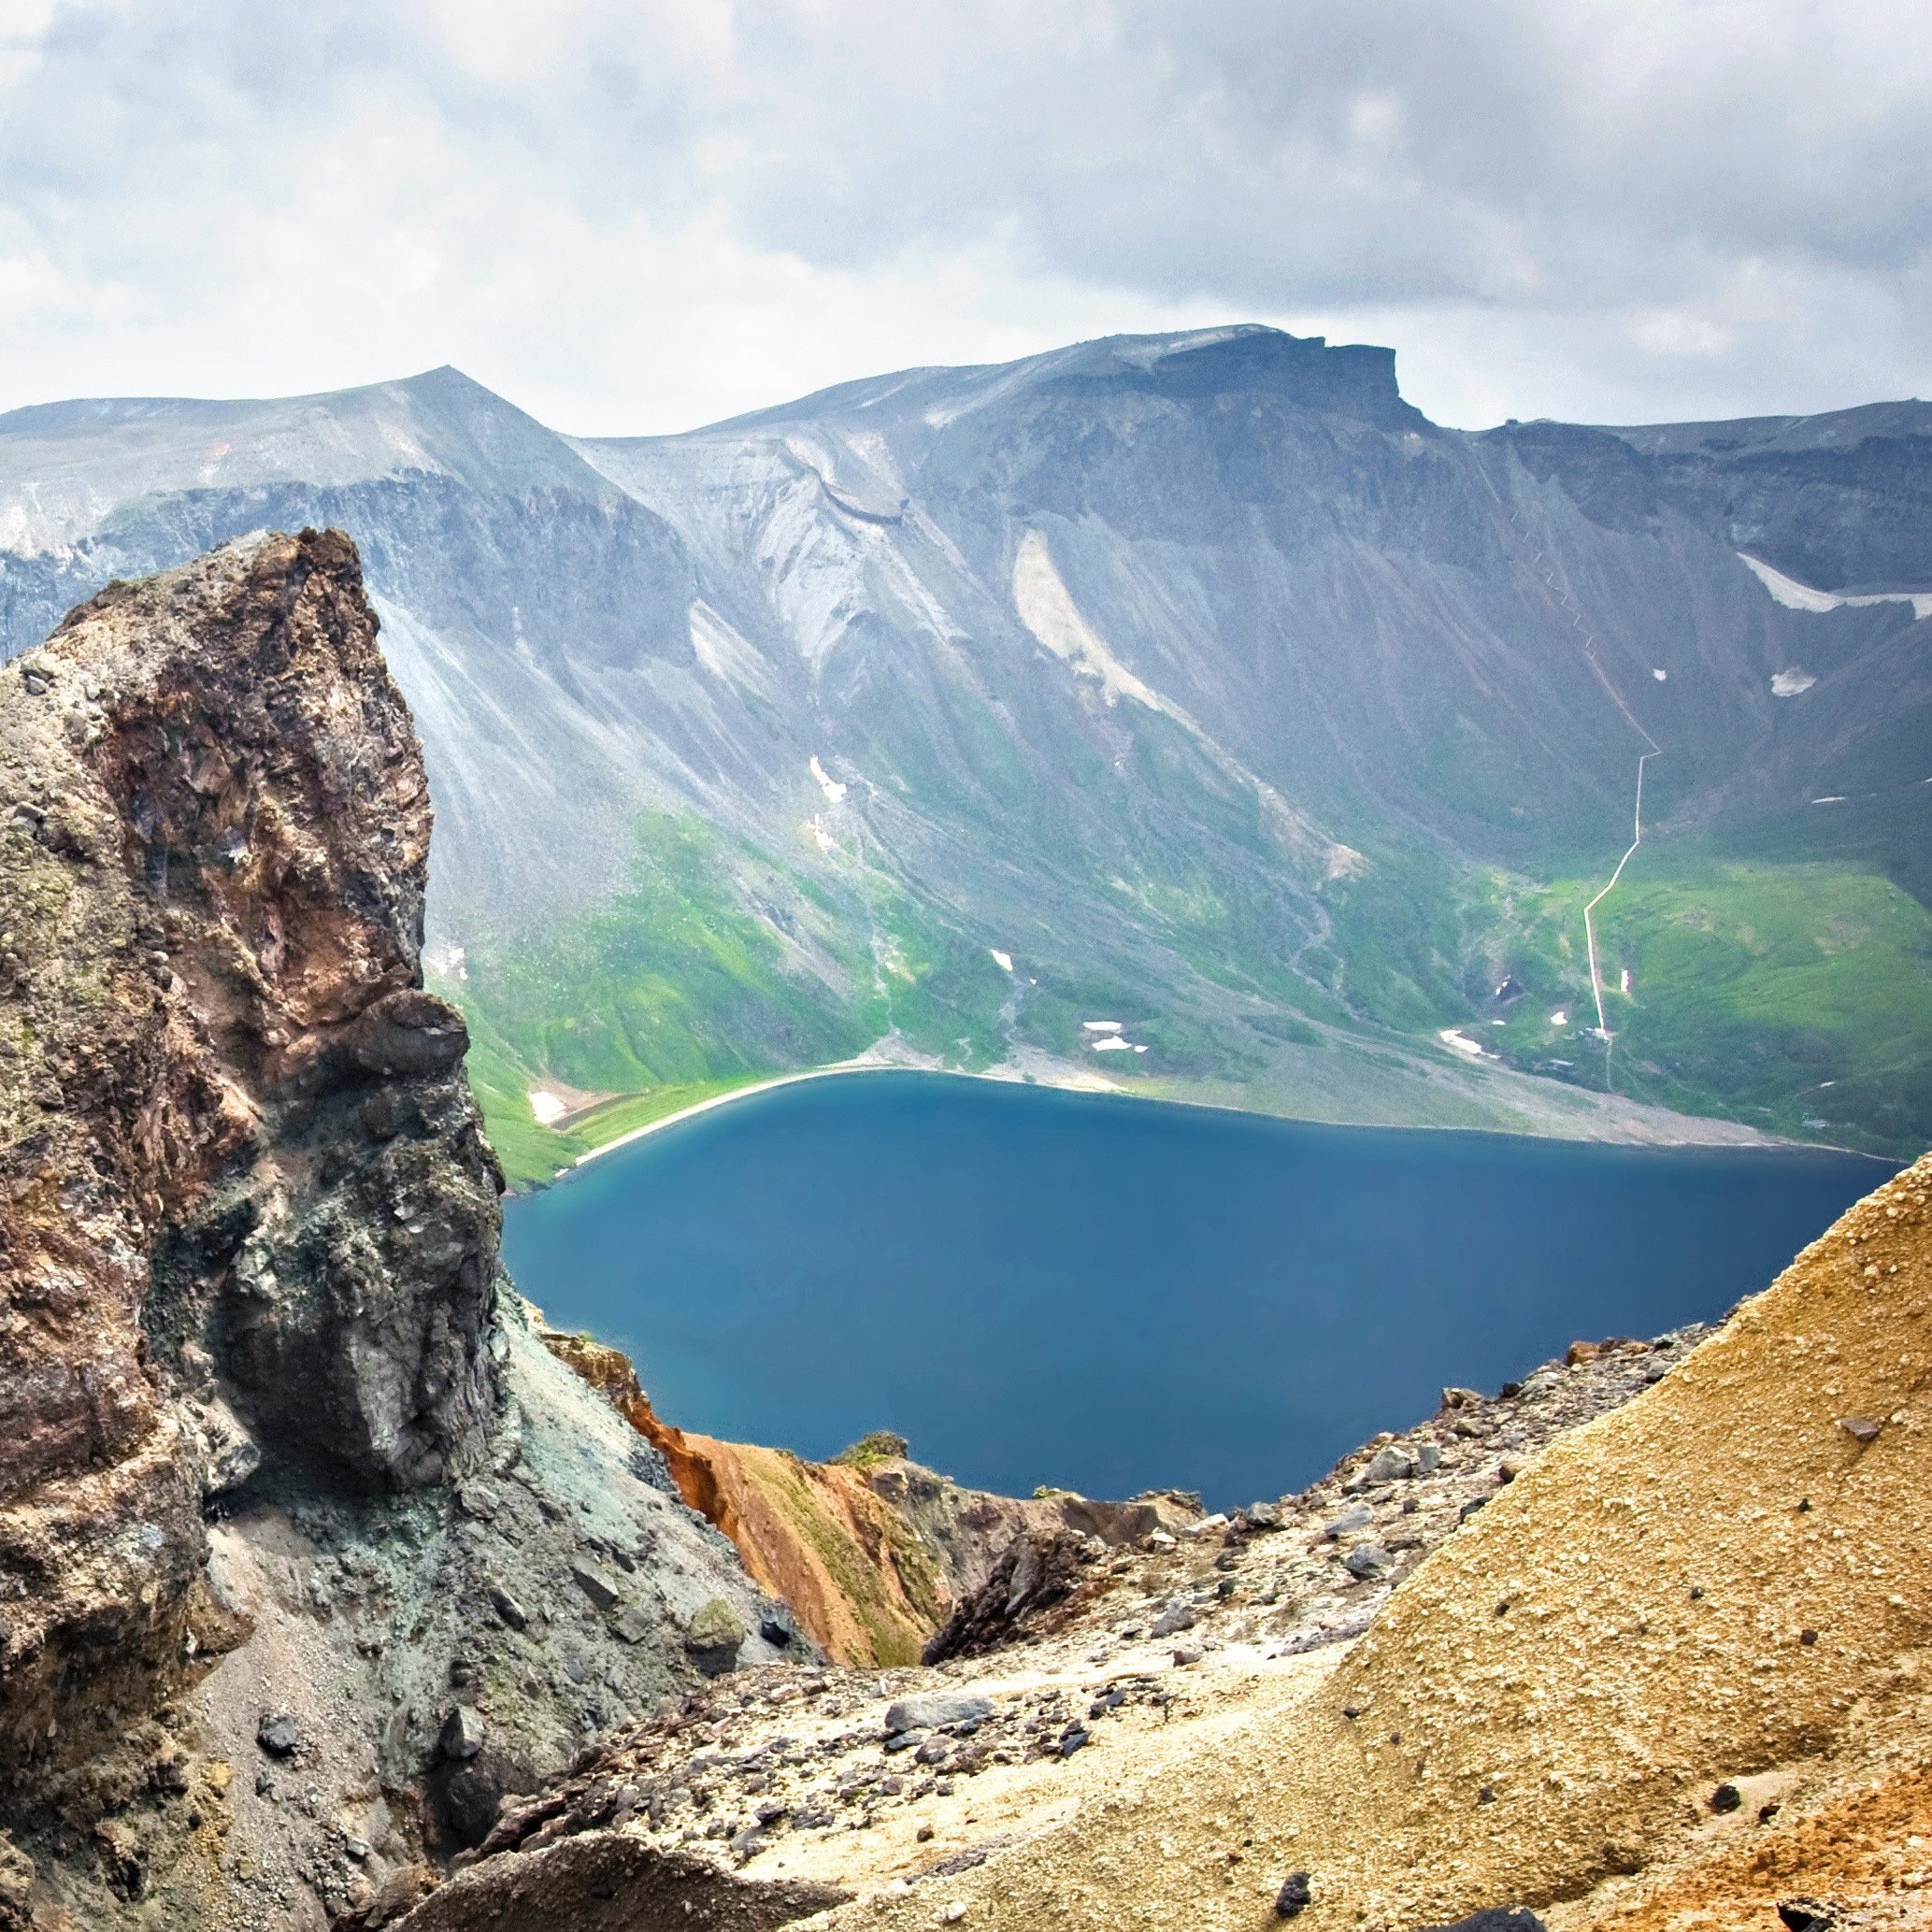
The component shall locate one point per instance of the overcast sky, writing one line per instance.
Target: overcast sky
(638, 217)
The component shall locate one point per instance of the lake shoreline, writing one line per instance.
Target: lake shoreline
(1748, 1137)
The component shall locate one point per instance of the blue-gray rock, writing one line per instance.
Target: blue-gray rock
(595, 1585)
(462, 1735)
(1389, 1464)
(1367, 1560)
(278, 1735)
(1176, 1618)
(1495, 1918)
(1358, 1516)
(1295, 1896)
(935, 1712)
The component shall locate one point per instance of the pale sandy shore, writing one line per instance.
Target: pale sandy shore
(1072, 1082)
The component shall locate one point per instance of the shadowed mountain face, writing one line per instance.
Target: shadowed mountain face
(1201, 678)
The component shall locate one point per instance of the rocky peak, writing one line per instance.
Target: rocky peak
(245, 1207)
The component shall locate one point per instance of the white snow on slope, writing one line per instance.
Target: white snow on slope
(1795, 596)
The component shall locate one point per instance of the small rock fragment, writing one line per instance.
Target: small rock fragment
(1496, 1918)
(1726, 1797)
(462, 1736)
(1861, 1428)
(1805, 1914)
(931, 1713)
(278, 1735)
(508, 1608)
(595, 1585)
(1367, 1560)
(1293, 1896)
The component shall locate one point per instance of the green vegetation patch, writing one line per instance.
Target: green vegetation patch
(1792, 997)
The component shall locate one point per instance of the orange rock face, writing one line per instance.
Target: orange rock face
(873, 1555)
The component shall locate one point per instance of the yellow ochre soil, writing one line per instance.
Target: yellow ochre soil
(1718, 1582)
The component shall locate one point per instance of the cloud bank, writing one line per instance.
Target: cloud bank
(632, 218)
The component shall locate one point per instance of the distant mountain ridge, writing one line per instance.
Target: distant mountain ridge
(1199, 677)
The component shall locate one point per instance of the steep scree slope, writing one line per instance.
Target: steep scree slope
(1726, 1581)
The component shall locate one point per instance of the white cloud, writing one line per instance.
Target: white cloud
(633, 216)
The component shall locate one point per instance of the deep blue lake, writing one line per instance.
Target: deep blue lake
(1110, 1294)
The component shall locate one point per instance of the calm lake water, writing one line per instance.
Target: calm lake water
(1109, 1295)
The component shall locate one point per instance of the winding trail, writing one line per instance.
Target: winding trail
(1567, 603)
(1590, 929)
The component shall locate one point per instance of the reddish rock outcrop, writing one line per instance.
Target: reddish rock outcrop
(875, 1554)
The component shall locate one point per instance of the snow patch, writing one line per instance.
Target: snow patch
(548, 1108)
(1101, 1025)
(834, 791)
(1795, 596)
(1111, 1043)
(1457, 1044)
(1790, 683)
(1003, 961)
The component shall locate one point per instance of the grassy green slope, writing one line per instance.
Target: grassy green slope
(1793, 995)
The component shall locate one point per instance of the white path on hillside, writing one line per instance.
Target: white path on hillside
(1590, 930)
(1589, 638)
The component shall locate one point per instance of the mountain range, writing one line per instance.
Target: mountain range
(1188, 712)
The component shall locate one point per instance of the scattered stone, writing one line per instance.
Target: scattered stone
(357, 1849)
(278, 1735)
(1805, 1914)
(933, 1713)
(1726, 1797)
(1176, 1618)
(775, 1633)
(713, 1638)
(508, 1608)
(925, 1834)
(17, 1875)
(1861, 1428)
(1187, 1656)
(1367, 1560)
(1496, 1918)
(633, 1625)
(1295, 1895)
(1264, 1516)
(1808, 1637)
(462, 1736)
(1072, 1738)
(595, 1585)
(1428, 1458)
(1389, 1465)
(1359, 1516)
(1469, 1508)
